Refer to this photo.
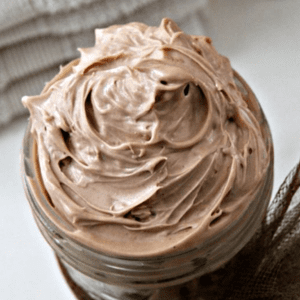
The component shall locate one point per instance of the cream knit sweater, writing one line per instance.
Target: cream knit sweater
(37, 36)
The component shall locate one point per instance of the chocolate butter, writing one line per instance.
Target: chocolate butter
(145, 144)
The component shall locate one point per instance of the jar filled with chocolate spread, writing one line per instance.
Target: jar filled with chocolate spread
(147, 162)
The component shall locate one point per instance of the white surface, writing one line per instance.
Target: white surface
(262, 40)
(28, 269)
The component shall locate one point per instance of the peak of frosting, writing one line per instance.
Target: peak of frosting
(146, 136)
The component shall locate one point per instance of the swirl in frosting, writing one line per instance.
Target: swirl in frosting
(146, 136)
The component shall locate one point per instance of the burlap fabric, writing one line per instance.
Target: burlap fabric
(268, 268)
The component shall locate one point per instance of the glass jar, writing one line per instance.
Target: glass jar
(94, 275)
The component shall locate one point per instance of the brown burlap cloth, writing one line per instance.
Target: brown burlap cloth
(267, 268)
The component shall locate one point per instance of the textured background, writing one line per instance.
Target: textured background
(37, 36)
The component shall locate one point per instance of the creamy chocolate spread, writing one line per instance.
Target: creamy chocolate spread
(145, 144)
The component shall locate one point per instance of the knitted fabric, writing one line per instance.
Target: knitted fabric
(38, 36)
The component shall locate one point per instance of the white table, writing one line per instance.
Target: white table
(262, 40)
